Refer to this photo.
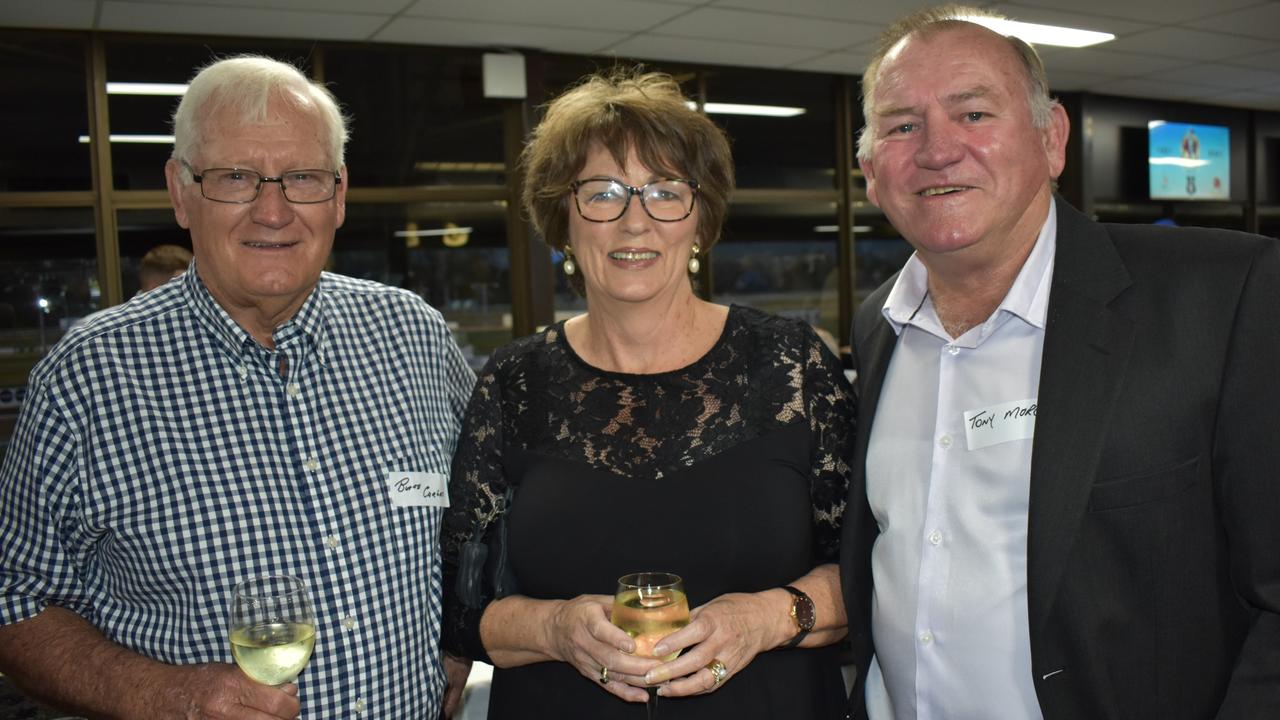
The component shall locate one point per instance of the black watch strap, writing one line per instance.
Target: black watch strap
(802, 612)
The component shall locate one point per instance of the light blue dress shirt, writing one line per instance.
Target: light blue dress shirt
(948, 479)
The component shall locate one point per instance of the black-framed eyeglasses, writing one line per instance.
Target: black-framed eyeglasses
(305, 186)
(604, 200)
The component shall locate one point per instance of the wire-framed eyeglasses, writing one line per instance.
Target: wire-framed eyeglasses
(604, 200)
(237, 185)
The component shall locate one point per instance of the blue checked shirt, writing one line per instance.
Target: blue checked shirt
(162, 456)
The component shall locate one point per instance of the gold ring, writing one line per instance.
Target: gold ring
(604, 675)
(718, 671)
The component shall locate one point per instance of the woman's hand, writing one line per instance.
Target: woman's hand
(732, 629)
(579, 633)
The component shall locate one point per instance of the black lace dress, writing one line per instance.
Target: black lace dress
(731, 472)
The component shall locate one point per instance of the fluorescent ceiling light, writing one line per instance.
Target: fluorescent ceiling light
(1042, 34)
(460, 167)
(434, 233)
(713, 108)
(150, 139)
(836, 228)
(129, 88)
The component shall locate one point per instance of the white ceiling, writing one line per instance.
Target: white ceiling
(1224, 52)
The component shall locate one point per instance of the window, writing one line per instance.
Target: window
(47, 109)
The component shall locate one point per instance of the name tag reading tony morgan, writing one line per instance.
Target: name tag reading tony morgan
(418, 489)
(993, 425)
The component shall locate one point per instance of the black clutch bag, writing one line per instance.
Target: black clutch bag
(482, 561)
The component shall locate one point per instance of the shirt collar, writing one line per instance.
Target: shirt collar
(308, 324)
(1028, 297)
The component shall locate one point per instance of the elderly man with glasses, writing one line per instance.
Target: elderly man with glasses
(257, 417)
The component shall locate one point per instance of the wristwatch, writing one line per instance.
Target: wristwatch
(802, 613)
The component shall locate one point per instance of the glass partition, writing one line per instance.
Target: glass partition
(48, 280)
(46, 111)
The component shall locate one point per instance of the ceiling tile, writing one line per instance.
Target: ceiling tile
(1189, 44)
(847, 63)
(1057, 15)
(61, 14)
(1104, 62)
(1071, 80)
(427, 31)
(206, 20)
(634, 15)
(1269, 60)
(1256, 100)
(1225, 76)
(767, 28)
(1238, 39)
(1167, 11)
(1155, 88)
(1260, 21)
(386, 8)
(875, 13)
(650, 47)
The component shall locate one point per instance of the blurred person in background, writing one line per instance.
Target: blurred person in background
(161, 264)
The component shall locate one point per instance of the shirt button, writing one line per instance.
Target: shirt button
(359, 706)
(935, 537)
(293, 390)
(244, 371)
(349, 623)
(926, 637)
(944, 442)
(311, 464)
(953, 349)
(331, 542)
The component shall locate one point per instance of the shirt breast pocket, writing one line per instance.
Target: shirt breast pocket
(1134, 490)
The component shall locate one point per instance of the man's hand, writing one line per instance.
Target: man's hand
(218, 691)
(456, 671)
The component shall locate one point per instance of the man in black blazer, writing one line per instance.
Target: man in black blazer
(1067, 473)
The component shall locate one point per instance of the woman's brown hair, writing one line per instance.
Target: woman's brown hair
(623, 109)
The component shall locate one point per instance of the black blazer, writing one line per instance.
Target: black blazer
(1153, 549)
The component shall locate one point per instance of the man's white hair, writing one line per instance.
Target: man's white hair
(249, 83)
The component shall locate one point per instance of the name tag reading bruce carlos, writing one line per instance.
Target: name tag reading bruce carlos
(418, 489)
(993, 425)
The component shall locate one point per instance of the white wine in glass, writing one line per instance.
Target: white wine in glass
(650, 606)
(273, 629)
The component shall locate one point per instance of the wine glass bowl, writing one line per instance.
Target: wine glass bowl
(649, 606)
(273, 630)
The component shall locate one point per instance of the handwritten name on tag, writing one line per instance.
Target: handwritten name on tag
(418, 489)
(993, 425)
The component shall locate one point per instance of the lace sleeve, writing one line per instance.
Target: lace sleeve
(476, 489)
(831, 421)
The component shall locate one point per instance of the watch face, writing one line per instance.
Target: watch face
(804, 614)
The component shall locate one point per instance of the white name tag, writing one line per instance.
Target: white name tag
(1000, 423)
(418, 489)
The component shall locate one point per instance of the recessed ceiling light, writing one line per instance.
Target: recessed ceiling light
(715, 108)
(1042, 34)
(149, 139)
(437, 232)
(132, 88)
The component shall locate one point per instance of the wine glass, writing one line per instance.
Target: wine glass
(650, 606)
(273, 628)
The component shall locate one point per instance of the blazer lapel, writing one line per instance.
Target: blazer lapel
(1086, 351)
(873, 363)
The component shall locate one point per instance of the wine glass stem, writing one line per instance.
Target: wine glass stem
(650, 705)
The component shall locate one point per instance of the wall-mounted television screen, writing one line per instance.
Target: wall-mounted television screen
(1189, 162)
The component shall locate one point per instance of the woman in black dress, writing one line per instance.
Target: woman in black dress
(657, 431)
